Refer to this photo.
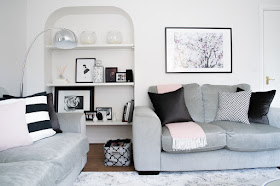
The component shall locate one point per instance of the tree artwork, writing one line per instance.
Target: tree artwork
(198, 50)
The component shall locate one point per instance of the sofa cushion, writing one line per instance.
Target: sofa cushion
(234, 106)
(193, 100)
(254, 137)
(259, 106)
(27, 173)
(210, 97)
(170, 107)
(37, 115)
(63, 150)
(53, 117)
(216, 139)
(13, 127)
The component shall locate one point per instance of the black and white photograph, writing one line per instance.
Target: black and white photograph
(89, 116)
(121, 77)
(198, 50)
(107, 111)
(110, 73)
(84, 70)
(74, 99)
(72, 103)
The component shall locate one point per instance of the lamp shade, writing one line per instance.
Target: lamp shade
(65, 39)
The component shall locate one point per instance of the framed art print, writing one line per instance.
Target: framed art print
(106, 110)
(198, 50)
(121, 76)
(110, 74)
(89, 115)
(74, 99)
(84, 70)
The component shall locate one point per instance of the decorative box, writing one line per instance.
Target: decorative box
(98, 73)
(118, 152)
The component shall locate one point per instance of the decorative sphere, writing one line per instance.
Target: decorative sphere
(114, 37)
(88, 37)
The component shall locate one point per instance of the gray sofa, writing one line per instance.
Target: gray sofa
(231, 145)
(56, 160)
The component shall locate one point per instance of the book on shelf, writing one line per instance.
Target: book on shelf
(130, 117)
(124, 112)
(128, 111)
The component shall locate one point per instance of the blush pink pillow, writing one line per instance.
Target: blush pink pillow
(168, 88)
(13, 127)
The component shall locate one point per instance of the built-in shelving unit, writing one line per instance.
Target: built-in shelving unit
(109, 122)
(100, 20)
(89, 84)
(96, 46)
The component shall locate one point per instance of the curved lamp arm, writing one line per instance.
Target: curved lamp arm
(29, 48)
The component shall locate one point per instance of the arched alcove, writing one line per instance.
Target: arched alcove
(101, 20)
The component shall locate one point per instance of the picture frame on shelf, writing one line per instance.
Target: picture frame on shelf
(84, 70)
(129, 75)
(89, 115)
(74, 99)
(121, 77)
(107, 110)
(110, 74)
(198, 50)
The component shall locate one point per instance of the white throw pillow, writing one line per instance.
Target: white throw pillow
(234, 106)
(13, 127)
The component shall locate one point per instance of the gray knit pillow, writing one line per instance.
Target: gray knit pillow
(234, 106)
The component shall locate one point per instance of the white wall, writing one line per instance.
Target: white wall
(150, 18)
(13, 33)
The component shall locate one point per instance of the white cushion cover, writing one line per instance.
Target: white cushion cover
(41, 134)
(13, 127)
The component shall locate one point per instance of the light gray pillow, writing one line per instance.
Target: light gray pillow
(234, 106)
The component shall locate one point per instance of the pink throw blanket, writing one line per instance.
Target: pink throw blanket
(186, 136)
(168, 88)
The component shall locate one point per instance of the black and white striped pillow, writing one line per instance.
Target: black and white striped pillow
(37, 116)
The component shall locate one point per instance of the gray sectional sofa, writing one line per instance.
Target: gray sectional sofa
(56, 160)
(230, 145)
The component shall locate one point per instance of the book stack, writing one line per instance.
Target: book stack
(128, 111)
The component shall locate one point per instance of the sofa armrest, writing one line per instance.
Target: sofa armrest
(74, 122)
(146, 131)
(274, 117)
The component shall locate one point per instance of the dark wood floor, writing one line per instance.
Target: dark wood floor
(95, 161)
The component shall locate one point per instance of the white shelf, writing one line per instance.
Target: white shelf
(106, 123)
(96, 46)
(89, 84)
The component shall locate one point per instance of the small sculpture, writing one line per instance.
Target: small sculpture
(61, 71)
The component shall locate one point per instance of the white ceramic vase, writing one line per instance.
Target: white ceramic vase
(114, 37)
(88, 37)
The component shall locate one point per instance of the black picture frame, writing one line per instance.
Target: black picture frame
(108, 110)
(121, 77)
(67, 91)
(110, 74)
(187, 63)
(89, 115)
(84, 75)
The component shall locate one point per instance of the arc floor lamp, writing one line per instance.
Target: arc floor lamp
(63, 39)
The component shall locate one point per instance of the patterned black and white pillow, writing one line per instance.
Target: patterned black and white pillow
(234, 106)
